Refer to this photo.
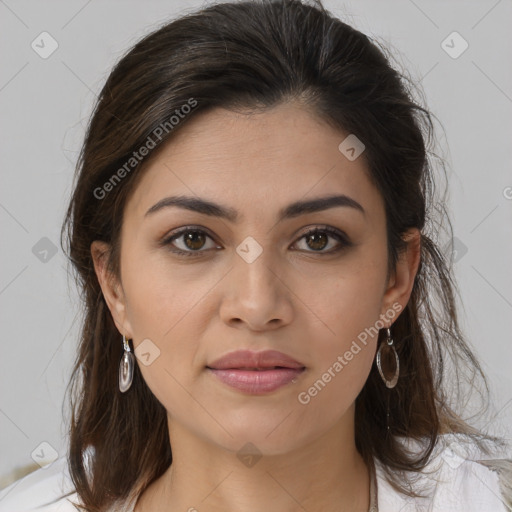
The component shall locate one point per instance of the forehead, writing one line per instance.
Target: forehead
(254, 162)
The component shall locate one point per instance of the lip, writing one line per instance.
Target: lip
(256, 372)
(246, 359)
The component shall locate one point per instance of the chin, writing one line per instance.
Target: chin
(264, 438)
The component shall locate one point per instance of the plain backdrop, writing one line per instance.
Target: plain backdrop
(45, 104)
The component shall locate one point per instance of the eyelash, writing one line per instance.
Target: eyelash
(339, 235)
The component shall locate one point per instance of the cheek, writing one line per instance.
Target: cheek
(161, 297)
(169, 306)
(160, 307)
(346, 341)
(341, 364)
(343, 360)
(349, 308)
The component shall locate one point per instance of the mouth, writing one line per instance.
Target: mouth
(257, 381)
(249, 360)
(256, 372)
(254, 369)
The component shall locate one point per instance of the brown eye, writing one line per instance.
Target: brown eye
(317, 239)
(194, 240)
(189, 242)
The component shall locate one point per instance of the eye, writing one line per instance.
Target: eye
(318, 237)
(190, 239)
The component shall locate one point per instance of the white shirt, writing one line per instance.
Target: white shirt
(452, 480)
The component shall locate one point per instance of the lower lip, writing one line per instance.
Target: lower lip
(257, 381)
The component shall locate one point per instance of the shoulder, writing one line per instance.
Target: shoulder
(50, 489)
(45, 490)
(460, 476)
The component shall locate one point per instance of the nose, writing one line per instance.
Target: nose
(256, 295)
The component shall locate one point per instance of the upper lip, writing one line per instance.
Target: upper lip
(248, 359)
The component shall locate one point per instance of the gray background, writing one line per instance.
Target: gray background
(45, 104)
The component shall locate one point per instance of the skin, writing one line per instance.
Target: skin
(304, 302)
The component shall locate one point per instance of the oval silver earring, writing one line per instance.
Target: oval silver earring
(384, 353)
(126, 367)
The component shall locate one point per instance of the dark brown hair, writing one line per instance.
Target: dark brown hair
(242, 56)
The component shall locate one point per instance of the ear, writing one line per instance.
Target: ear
(400, 284)
(111, 287)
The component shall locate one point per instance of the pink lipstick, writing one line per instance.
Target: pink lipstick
(256, 372)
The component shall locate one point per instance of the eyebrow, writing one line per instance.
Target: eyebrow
(291, 211)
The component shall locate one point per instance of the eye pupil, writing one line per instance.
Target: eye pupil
(316, 237)
(192, 237)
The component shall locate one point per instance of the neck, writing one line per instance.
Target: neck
(326, 475)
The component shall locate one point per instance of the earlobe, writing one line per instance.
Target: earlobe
(405, 272)
(110, 287)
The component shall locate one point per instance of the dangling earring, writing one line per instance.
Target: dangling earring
(126, 366)
(386, 346)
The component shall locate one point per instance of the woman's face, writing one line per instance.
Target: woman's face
(248, 277)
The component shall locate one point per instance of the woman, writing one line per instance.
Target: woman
(251, 228)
